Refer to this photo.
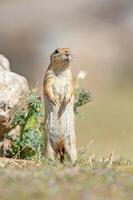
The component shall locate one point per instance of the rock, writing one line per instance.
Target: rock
(13, 93)
(4, 63)
(5, 144)
(15, 132)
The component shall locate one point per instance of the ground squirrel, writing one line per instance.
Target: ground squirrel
(60, 138)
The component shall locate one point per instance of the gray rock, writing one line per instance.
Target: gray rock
(5, 144)
(13, 93)
(4, 63)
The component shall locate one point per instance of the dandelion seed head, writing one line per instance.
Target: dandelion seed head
(82, 74)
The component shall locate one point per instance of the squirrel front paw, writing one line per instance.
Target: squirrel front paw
(54, 101)
(66, 100)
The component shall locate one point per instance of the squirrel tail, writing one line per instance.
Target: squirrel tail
(60, 148)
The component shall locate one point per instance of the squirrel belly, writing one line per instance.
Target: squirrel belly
(59, 131)
(60, 138)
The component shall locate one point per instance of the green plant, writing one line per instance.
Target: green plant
(30, 140)
(82, 97)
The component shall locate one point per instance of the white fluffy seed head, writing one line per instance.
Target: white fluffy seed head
(82, 74)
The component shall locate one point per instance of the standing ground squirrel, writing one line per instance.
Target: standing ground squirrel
(60, 138)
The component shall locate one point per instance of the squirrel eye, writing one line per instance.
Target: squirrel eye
(56, 51)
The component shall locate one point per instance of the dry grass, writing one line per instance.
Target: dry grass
(16, 163)
(91, 178)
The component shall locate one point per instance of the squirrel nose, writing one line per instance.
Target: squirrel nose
(67, 54)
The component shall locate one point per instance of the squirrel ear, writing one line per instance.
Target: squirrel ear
(51, 57)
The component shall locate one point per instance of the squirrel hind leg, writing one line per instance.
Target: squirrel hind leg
(71, 154)
(49, 152)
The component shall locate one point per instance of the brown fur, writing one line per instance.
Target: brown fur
(60, 148)
(58, 98)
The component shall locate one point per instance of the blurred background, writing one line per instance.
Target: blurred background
(100, 36)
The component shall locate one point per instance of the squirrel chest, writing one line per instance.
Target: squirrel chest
(59, 85)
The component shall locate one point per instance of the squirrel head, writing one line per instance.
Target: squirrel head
(61, 57)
